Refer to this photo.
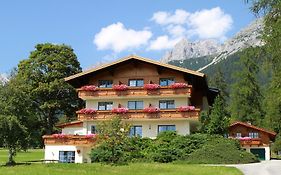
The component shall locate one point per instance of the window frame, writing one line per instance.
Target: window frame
(135, 105)
(66, 157)
(254, 135)
(167, 104)
(137, 84)
(238, 135)
(166, 128)
(94, 128)
(108, 84)
(106, 107)
(167, 81)
(134, 134)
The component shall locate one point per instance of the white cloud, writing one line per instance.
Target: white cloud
(163, 42)
(164, 18)
(176, 30)
(213, 23)
(118, 38)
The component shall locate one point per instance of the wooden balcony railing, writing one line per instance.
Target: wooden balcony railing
(134, 92)
(250, 142)
(77, 140)
(140, 114)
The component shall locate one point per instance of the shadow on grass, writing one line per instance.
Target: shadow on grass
(15, 164)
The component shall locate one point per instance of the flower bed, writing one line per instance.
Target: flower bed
(120, 110)
(89, 88)
(178, 85)
(151, 110)
(120, 87)
(87, 111)
(186, 108)
(151, 86)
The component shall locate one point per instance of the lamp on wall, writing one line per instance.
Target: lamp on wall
(149, 127)
(78, 151)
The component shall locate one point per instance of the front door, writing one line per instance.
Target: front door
(67, 156)
(260, 152)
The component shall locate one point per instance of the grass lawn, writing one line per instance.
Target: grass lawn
(98, 169)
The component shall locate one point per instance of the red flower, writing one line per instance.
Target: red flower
(151, 86)
(120, 87)
(186, 108)
(88, 136)
(87, 111)
(245, 138)
(89, 88)
(178, 85)
(59, 136)
(120, 110)
(151, 110)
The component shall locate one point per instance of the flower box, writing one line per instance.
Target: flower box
(59, 136)
(87, 111)
(151, 86)
(120, 87)
(151, 110)
(120, 110)
(89, 88)
(89, 136)
(186, 108)
(245, 138)
(178, 85)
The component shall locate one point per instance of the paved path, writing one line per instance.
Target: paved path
(272, 167)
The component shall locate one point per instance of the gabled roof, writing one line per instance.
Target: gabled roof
(253, 127)
(72, 123)
(130, 57)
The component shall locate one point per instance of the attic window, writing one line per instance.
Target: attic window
(166, 81)
(254, 134)
(105, 83)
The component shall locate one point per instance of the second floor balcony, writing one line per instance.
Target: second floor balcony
(250, 142)
(77, 140)
(141, 114)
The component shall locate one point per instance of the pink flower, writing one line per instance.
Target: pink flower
(245, 138)
(178, 85)
(89, 88)
(120, 87)
(88, 136)
(59, 136)
(120, 110)
(87, 111)
(151, 110)
(151, 86)
(186, 108)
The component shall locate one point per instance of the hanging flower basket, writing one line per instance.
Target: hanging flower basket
(87, 111)
(186, 108)
(89, 88)
(151, 110)
(151, 86)
(120, 87)
(120, 110)
(178, 85)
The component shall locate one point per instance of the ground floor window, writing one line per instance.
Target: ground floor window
(93, 129)
(136, 131)
(166, 128)
(67, 156)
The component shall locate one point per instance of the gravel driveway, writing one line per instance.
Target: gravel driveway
(272, 167)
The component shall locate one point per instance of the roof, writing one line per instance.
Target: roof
(136, 58)
(254, 127)
(63, 125)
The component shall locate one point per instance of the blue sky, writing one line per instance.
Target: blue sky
(105, 30)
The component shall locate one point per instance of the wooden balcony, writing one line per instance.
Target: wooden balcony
(133, 92)
(77, 140)
(251, 142)
(140, 114)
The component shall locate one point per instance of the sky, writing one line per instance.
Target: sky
(101, 31)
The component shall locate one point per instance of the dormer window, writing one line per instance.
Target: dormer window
(136, 82)
(105, 83)
(166, 81)
(254, 134)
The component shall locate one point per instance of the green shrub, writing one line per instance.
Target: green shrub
(221, 151)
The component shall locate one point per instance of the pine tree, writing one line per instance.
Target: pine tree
(245, 94)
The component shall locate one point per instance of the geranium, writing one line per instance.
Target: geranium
(151, 110)
(178, 85)
(89, 88)
(87, 111)
(186, 108)
(59, 136)
(151, 86)
(245, 138)
(120, 87)
(120, 110)
(88, 136)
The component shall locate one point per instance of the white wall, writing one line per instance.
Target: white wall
(74, 130)
(52, 152)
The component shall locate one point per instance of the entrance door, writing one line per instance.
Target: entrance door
(260, 152)
(67, 156)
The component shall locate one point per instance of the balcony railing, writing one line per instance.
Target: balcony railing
(252, 141)
(134, 92)
(77, 140)
(140, 114)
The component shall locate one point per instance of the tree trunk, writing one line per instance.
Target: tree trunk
(11, 157)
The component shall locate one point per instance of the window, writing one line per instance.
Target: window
(136, 131)
(254, 135)
(238, 135)
(166, 81)
(105, 105)
(67, 156)
(166, 128)
(93, 129)
(135, 104)
(167, 104)
(105, 83)
(136, 82)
